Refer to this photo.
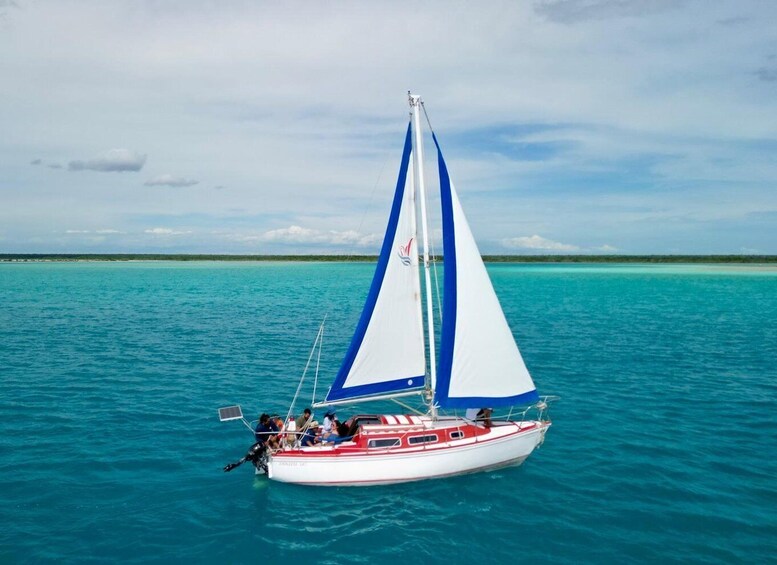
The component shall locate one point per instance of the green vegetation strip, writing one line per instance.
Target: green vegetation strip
(16, 257)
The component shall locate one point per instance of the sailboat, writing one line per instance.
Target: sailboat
(477, 364)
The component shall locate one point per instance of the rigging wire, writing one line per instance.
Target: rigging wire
(428, 121)
(434, 251)
(369, 206)
(408, 407)
(429, 398)
(436, 284)
(319, 335)
(318, 359)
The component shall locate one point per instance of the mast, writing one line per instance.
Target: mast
(418, 174)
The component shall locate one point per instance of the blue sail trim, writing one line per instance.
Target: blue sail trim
(523, 399)
(448, 330)
(338, 391)
(386, 387)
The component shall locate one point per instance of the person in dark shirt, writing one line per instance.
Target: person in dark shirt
(267, 431)
(309, 438)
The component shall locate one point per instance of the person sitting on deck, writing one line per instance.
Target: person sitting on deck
(309, 438)
(342, 428)
(303, 422)
(480, 415)
(329, 431)
(267, 431)
(484, 415)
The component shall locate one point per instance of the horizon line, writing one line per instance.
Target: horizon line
(309, 257)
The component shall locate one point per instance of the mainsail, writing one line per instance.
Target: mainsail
(387, 354)
(480, 364)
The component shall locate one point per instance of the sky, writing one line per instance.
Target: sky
(592, 126)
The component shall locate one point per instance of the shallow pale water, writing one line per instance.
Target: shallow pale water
(663, 446)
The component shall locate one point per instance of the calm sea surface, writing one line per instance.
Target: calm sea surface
(663, 448)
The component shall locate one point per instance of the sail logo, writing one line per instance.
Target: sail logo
(404, 253)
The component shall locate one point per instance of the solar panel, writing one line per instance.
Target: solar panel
(230, 413)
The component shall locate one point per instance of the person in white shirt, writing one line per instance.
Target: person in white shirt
(480, 415)
(329, 430)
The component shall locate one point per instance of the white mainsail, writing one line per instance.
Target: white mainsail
(387, 351)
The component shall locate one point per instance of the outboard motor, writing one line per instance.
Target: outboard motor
(257, 454)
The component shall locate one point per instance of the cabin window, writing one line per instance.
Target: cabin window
(422, 439)
(388, 442)
(457, 434)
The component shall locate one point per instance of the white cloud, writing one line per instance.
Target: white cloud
(164, 231)
(298, 234)
(170, 180)
(99, 232)
(115, 160)
(537, 243)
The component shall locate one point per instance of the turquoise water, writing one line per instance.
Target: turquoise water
(663, 446)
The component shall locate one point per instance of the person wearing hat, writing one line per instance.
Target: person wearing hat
(309, 438)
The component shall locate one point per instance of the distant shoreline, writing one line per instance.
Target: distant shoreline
(74, 257)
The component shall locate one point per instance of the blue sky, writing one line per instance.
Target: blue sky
(596, 126)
